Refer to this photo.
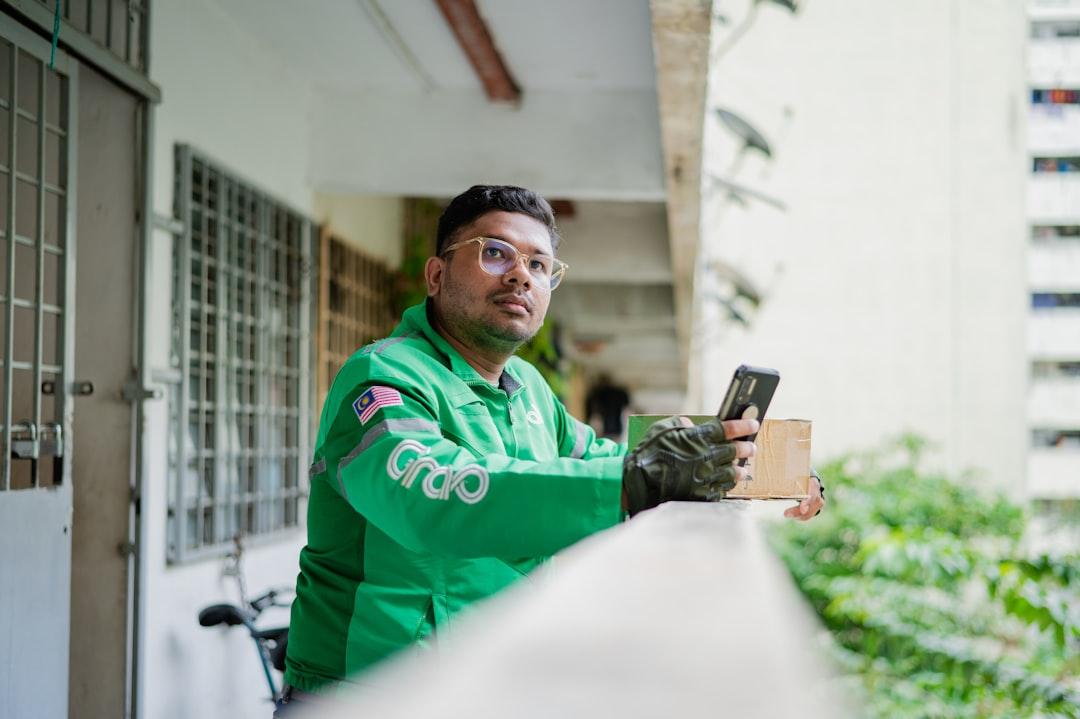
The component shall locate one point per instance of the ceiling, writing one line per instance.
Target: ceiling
(397, 109)
(557, 45)
(616, 307)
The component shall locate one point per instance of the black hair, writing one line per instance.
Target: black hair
(480, 199)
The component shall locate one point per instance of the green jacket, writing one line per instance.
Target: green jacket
(430, 490)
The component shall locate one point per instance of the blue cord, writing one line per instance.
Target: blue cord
(55, 37)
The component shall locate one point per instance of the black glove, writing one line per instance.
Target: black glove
(674, 462)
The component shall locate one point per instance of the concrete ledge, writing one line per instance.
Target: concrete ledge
(682, 612)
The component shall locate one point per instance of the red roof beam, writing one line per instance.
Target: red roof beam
(475, 40)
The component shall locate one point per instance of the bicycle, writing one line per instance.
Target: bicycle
(271, 642)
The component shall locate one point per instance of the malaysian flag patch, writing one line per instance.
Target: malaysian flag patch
(374, 399)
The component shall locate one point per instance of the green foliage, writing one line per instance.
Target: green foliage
(409, 286)
(929, 596)
(542, 352)
(422, 221)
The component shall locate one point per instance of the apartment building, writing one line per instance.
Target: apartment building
(882, 237)
(1054, 253)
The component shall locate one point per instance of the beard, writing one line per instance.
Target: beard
(467, 314)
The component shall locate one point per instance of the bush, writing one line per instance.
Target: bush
(932, 603)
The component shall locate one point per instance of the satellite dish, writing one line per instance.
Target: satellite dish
(741, 192)
(791, 5)
(745, 131)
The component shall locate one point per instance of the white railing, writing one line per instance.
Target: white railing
(1053, 9)
(1054, 130)
(683, 612)
(1054, 198)
(1054, 473)
(1054, 63)
(1054, 334)
(1054, 402)
(1054, 266)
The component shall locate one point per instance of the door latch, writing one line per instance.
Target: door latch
(134, 392)
(81, 388)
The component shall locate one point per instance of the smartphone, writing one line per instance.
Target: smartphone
(748, 396)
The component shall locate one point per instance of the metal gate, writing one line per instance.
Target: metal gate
(37, 251)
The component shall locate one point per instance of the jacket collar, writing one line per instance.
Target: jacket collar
(417, 319)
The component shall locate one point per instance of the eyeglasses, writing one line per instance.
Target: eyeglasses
(498, 257)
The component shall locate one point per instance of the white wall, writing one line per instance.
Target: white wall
(895, 282)
(235, 102)
(373, 224)
(622, 242)
(228, 96)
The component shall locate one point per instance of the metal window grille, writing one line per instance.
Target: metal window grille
(37, 146)
(241, 412)
(118, 26)
(354, 305)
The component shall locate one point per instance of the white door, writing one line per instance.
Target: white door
(37, 273)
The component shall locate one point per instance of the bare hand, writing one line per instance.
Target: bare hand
(809, 507)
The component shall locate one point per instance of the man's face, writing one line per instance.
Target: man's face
(484, 310)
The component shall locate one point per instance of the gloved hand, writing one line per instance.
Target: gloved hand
(674, 461)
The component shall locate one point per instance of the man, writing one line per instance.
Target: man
(445, 469)
(608, 402)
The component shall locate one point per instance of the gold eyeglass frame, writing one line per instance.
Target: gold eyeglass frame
(557, 274)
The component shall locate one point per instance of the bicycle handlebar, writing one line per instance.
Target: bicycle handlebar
(266, 600)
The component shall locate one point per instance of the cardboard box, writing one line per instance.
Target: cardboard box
(779, 470)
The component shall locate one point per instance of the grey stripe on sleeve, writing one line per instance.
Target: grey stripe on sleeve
(391, 341)
(413, 424)
(317, 468)
(580, 441)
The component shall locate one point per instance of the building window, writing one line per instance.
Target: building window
(1053, 233)
(241, 412)
(1055, 30)
(1056, 164)
(354, 306)
(1055, 300)
(1051, 369)
(1055, 97)
(1055, 439)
